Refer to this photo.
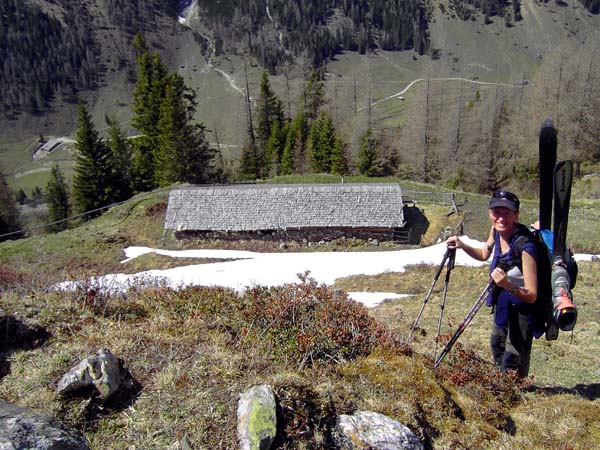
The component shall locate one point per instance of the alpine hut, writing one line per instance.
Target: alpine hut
(306, 211)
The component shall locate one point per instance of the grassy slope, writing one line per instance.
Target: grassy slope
(192, 367)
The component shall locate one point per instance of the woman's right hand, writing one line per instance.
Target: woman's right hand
(454, 242)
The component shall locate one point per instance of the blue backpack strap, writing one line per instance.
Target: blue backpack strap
(548, 239)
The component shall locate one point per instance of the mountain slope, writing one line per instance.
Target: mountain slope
(206, 51)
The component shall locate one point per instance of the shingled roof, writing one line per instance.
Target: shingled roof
(283, 207)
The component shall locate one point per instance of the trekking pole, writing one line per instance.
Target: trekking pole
(435, 278)
(449, 267)
(467, 320)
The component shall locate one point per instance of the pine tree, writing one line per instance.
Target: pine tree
(321, 144)
(166, 155)
(143, 177)
(21, 197)
(270, 109)
(287, 157)
(273, 149)
(314, 96)
(9, 214)
(183, 154)
(367, 154)
(249, 169)
(57, 197)
(148, 96)
(121, 154)
(198, 156)
(270, 115)
(339, 165)
(92, 183)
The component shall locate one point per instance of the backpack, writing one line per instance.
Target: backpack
(543, 307)
(556, 278)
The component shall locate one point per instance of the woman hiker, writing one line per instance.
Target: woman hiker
(515, 318)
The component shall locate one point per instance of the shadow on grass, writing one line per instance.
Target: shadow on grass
(18, 335)
(588, 391)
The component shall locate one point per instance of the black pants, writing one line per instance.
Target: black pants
(511, 346)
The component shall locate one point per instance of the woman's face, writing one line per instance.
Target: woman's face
(503, 219)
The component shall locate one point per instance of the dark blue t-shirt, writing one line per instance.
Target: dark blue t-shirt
(503, 301)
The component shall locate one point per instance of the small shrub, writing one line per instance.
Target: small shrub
(307, 322)
(9, 279)
(493, 391)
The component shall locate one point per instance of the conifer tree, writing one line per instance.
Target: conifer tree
(314, 96)
(148, 95)
(57, 197)
(339, 164)
(182, 154)
(367, 154)
(21, 197)
(287, 157)
(293, 153)
(274, 149)
(270, 109)
(121, 161)
(321, 143)
(249, 168)
(166, 154)
(9, 214)
(92, 183)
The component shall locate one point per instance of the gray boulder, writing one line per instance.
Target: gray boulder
(24, 428)
(103, 372)
(366, 429)
(257, 418)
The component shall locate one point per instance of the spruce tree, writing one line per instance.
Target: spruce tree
(148, 95)
(166, 156)
(92, 183)
(249, 169)
(21, 197)
(367, 154)
(314, 96)
(9, 214)
(183, 153)
(121, 154)
(287, 157)
(273, 150)
(57, 198)
(270, 110)
(339, 165)
(322, 141)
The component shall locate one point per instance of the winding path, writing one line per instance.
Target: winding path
(190, 13)
(399, 94)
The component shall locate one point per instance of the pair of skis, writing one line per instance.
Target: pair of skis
(555, 184)
(555, 187)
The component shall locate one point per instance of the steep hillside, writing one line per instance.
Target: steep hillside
(211, 54)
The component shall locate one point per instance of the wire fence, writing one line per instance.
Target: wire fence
(444, 198)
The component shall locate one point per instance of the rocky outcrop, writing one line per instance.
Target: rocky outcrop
(24, 428)
(103, 373)
(367, 429)
(257, 418)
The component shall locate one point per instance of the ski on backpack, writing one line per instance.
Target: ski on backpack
(547, 161)
(564, 268)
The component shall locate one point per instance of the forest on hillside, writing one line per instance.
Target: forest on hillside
(51, 51)
(52, 54)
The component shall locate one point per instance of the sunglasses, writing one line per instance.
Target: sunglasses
(506, 196)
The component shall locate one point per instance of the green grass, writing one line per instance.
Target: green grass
(214, 344)
(191, 390)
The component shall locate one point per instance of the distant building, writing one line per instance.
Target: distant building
(310, 211)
